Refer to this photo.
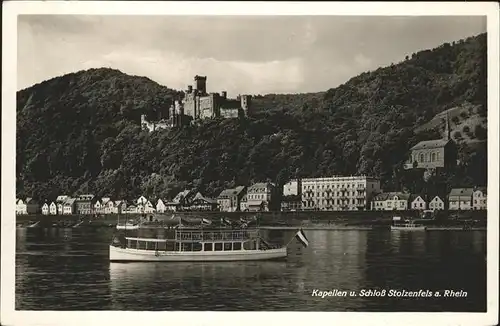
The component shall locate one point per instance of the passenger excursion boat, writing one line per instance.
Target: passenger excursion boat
(408, 225)
(195, 244)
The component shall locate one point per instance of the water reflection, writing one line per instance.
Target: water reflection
(69, 269)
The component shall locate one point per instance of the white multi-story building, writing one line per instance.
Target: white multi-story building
(338, 193)
(479, 199)
(292, 188)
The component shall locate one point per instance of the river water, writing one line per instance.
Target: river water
(68, 269)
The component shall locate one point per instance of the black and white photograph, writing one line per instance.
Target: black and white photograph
(281, 157)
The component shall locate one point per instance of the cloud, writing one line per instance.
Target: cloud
(243, 54)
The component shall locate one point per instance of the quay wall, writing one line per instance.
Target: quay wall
(350, 217)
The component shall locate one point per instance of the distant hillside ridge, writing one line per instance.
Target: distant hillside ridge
(81, 132)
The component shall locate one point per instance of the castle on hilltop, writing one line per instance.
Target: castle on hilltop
(197, 105)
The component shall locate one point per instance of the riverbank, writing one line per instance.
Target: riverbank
(323, 220)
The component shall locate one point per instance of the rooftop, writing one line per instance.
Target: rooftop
(428, 144)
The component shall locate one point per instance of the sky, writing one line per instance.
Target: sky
(242, 55)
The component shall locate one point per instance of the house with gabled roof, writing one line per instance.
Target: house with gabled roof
(417, 202)
(229, 199)
(479, 198)
(460, 199)
(45, 209)
(201, 203)
(390, 201)
(69, 206)
(436, 203)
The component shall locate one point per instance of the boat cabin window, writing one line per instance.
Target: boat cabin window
(197, 246)
(187, 246)
(161, 246)
(228, 246)
(208, 247)
(171, 246)
(236, 245)
(218, 246)
(249, 245)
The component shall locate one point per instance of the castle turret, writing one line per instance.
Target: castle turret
(201, 84)
(246, 104)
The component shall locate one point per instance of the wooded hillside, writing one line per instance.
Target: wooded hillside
(81, 132)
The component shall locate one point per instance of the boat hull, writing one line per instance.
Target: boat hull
(128, 254)
(408, 228)
(127, 227)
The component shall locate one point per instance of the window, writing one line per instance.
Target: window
(433, 157)
(197, 246)
(236, 245)
(218, 246)
(421, 157)
(228, 246)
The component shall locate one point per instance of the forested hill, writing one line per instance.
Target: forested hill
(81, 133)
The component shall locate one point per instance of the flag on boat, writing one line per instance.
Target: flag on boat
(302, 238)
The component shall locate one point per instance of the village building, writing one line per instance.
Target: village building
(69, 206)
(229, 199)
(432, 154)
(141, 201)
(201, 203)
(292, 188)
(97, 207)
(260, 196)
(20, 207)
(436, 204)
(104, 205)
(160, 206)
(391, 201)
(338, 193)
(417, 202)
(28, 206)
(460, 199)
(479, 198)
(244, 204)
(291, 203)
(45, 209)
(117, 207)
(60, 200)
(149, 208)
(84, 204)
(292, 196)
(53, 208)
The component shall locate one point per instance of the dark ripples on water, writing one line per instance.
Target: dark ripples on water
(68, 269)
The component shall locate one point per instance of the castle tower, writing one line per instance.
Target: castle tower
(201, 84)
(447, 130)
(246, 104)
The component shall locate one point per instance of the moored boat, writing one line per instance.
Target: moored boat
(197, 244)
(128, 226)
(407, 225)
